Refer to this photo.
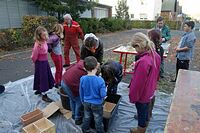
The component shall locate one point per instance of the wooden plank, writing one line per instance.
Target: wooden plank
(50, 109)
(184, 116)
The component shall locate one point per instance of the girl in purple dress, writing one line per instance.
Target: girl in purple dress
(43, 78)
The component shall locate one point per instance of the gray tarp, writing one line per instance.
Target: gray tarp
(19, 98)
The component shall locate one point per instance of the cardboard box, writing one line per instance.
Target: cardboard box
(31, 117)
(41, 126)
(110, 107)
(107, 119)
(107, 109)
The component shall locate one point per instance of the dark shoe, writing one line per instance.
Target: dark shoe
(136, 117)
(78, 122)
(138, 130)
(87, 131)
(133, 130)
(57, 86)
(173, 80)
(66, 65)
(161, 76)
(37, 93)
(46, 98)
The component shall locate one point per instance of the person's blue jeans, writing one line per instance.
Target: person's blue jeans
(142, 111)
(75, 102)
(91, 110)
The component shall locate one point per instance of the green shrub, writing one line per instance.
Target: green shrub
(127, 25)
(89, 25)
(146, 24)
(30, 23)
(14, 38)
(11, 39)
(104, 25)
(174, 25)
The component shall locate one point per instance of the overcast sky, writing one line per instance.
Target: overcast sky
(191, 7)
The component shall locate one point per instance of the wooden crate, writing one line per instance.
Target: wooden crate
(41, 126)
(31, 128)
(31, 117)
(45, 126)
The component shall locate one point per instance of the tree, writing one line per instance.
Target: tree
(122, 9)
(60, 7)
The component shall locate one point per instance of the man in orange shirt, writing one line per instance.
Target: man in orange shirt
(72, 32)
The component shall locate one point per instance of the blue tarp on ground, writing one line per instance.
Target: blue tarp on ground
(19, 99)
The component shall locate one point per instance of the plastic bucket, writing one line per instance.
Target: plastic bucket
(64, 99)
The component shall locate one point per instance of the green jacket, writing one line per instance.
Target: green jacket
(166, 33)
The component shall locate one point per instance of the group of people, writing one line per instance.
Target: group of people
(80, 81)
(149, 67)
(89, 80)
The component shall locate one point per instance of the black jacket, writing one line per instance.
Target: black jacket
(98, 54)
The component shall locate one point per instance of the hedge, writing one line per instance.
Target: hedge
(15, 38)
(11, 39)
(146, 24)
(30, 23)
(104, 25)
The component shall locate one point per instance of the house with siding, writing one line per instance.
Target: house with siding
(138, 9)
(171, 9)
(12, 12)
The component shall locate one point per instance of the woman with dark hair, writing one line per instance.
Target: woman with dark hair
(112, 74)
(155, 37)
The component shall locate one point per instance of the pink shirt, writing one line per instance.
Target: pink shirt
(40, 53)
(145, 77)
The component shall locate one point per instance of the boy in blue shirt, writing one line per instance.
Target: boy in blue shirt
(185, 48)
(92, 92)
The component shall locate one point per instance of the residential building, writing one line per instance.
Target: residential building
(138, 9)
(12, 12)
(99, 11)
(171, 9)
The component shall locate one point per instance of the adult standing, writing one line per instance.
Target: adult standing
(165, 36)
(72, 32)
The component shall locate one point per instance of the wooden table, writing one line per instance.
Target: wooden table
(184, 115)
(125, 50)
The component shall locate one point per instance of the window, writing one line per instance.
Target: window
(143, 16)
(132, 15)
(100, 12)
